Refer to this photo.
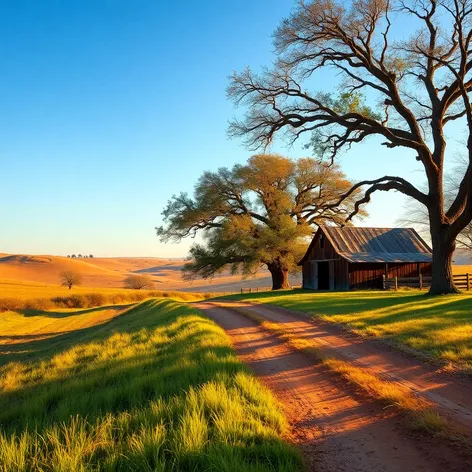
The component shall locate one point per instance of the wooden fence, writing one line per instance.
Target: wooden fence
(263, 289)
(462, 282)
(253, 289)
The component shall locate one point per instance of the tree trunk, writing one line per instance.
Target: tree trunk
(443, 249)
(279, 276)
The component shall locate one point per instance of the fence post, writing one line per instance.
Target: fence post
(241, 290)
(421, 281)
(384, 285)
(250, 289)
(467, 278)
(257, 288)
(396, 283)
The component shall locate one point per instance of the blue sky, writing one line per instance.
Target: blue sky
(110, 107)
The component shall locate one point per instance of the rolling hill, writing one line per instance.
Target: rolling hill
(111, 271)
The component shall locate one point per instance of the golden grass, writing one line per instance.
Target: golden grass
(27, 296)
(25, 290)
(462, 269)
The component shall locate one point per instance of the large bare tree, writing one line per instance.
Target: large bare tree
(415, 88)
(416, 214)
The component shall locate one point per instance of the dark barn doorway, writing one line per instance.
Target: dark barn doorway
(323, 275)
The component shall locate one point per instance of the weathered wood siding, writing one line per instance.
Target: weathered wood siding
(369, 275)
(317, 253)
(362, 275)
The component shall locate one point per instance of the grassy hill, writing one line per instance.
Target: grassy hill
(152, 387)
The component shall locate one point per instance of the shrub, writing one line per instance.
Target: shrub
(39, 304)
(96, 299)
(117, 298)
(138, 282)
(10, 304)
(74, 301)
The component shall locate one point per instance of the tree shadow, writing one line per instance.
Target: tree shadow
(137, 375)
(75, 312)
(44, 345)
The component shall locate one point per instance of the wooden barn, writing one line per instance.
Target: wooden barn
(358, 258)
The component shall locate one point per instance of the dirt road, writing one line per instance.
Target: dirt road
(336, 427)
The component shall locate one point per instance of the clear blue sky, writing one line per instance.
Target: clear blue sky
(110, 107)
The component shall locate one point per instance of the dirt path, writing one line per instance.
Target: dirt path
(337, 428)
(449, 392)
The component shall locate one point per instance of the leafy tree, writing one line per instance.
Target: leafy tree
(138, 282)
(70, 278)
(91, 256)
(73, 256)
(422, 85)
(256, 214)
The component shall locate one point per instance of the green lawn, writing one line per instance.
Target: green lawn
(441, 326)
(156, 388)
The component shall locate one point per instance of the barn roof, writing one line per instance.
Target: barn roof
(356, 244)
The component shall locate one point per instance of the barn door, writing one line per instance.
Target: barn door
(314, 275)
(331, 275)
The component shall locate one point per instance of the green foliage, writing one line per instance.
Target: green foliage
(258, 213)
(156, 389)
(353, 102)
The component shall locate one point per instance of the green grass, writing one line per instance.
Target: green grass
(440, 326)
(157, 388)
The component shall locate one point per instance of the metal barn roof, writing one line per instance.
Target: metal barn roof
(357, 244)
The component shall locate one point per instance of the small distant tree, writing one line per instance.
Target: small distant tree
(73, 256)
(138, 282)
(69, 278)
(91, 256)
(68, 255)
(80, 255)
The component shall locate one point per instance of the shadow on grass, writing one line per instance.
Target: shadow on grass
(67, 314)
(158, 367)
(438, 325)
(42, 346)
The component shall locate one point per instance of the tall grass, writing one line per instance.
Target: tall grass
(155, 389)
(93, 299)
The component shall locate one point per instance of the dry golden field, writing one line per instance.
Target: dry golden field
(38, 276)
(462, 269)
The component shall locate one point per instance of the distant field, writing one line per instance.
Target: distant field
(111, 272)
(31, 290)
(462, 269)
(440, 326)
(153, 388)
